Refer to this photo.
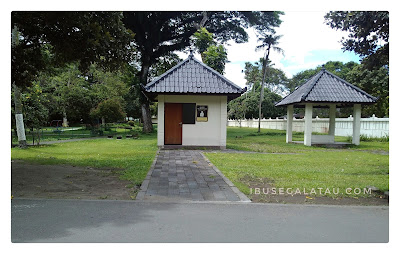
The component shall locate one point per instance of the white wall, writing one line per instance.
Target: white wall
(371, 127)
(210, 133)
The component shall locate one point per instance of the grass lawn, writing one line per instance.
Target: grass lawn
(308, 167)
(133, 155)
(283, 165)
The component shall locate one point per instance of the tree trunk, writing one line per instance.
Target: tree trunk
(19, 118)
(261, 98)
(38, 134)
(262, 88)
(146, 115)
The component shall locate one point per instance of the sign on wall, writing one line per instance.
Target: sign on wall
(202, 113)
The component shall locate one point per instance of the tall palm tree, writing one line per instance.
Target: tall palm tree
(268, 41)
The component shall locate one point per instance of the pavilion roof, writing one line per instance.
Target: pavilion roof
(325, 87)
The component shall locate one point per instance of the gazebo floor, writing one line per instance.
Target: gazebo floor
(328, 145)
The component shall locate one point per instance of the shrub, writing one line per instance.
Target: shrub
(366, 138)
(131, 123)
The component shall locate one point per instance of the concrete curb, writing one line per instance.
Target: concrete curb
(145, 183)
(243, 198)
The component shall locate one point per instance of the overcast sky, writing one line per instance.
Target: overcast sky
(307, 42)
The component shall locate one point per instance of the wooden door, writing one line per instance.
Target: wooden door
(173, 124)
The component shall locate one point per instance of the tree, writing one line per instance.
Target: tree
(163, 64)
(212, 54)
(338, 68)
(216, 57)
(368, 34)
(71, 93)
(275, 84)
(268, 41)
(203, 39)
(131, 98)
(160, 33)
(374, 82)
(237, 109)
(247, 105)
(111, 110)
(85, 37)
(252, 73)
(275, 80)
(35, 111)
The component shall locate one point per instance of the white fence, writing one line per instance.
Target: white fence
(371, 127)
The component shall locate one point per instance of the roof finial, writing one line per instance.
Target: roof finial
(323, 67)
(191, 53)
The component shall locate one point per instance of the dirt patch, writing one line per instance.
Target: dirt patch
(265, 196)
(68, 182)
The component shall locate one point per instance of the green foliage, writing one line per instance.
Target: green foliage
(366, 138)
(110, 109)
(253, 73)
(275, 79)
(275, 82)
(153, 29)
(216, 57)
(237, 108)
(35, 110)
(163, 64)
(212, 54)
(85, 37)
(106, 84)
(246, 106)
(338, 68)
(374, 82)
(368, 34)
(157, 34)
(70, 93)
(131, 123)
(202, 40)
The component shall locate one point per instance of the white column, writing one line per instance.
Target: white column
(160, 120)
(289, 124)
(308, 124)
(356, 124)
(332, 119)
(224, 117)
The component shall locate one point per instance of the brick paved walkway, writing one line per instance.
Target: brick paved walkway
(187, 175)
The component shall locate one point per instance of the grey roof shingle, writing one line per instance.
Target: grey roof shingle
(192, 76)
(329, 88)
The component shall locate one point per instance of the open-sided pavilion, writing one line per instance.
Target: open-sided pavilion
(325, 90)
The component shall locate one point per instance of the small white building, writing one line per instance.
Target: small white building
(192, 105)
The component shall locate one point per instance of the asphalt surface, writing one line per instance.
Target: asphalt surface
(139, 221)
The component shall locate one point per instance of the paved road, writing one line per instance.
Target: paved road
(137, 221)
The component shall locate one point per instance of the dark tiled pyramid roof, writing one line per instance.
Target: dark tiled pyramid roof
(327, 87)
(192, 76)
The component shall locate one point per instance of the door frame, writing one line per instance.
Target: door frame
(165, 118)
